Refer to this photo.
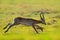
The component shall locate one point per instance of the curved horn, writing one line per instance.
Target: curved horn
(42, 18)
(42, 15)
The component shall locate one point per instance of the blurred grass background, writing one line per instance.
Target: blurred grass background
(9, 9)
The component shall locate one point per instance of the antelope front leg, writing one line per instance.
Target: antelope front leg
(38, 27)
(34, 28)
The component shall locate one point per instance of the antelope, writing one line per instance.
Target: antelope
(28, 22)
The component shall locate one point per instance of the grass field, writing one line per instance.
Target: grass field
(9, 9)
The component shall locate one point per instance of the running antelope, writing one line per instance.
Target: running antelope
(28, 22)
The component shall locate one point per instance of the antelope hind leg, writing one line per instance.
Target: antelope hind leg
(9, 27)
(6, 25)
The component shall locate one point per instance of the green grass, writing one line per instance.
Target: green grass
(9, 9)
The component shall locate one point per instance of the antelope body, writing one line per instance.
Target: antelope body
(28, 22)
